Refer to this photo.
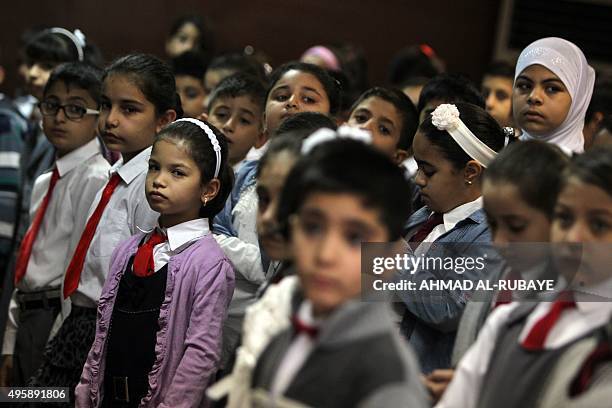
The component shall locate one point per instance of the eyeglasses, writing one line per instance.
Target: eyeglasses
(71, 111)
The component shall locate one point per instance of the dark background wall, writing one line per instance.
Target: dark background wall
(462, 32)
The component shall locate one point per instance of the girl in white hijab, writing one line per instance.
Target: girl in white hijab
(553, 84)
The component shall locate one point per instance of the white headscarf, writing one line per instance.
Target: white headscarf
(568, 62)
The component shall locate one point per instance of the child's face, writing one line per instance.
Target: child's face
(185, 39)
(269, 186)
(295, 91)
(69, 134)
(510, 218)
(37, 76)
(540, 100)
(326, 237)
(497, 91)
(240, 120)
(583, 214)
(442, 186)
(174, 183)
(128, 121)
(382, 120)
(192, 95)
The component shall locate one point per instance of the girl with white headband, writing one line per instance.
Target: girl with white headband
(452, 148)
(161, 312)
(553, 84)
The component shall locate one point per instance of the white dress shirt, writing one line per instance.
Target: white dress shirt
(574, 323)
(179, 236)
(82, 173)
(126, 213)
(297, 353)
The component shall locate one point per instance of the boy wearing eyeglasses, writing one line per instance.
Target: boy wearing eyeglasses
(59, 208)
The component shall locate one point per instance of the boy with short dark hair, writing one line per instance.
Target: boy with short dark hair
(236, 108)
(337, 350)
(61, 199)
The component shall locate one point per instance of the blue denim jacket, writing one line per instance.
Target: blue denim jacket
(431, 318)
(245, 177)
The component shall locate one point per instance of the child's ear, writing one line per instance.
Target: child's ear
(400, 156)
(472, 172)
(167, 117)
(262, 138)
(210, 191)
(203, 116)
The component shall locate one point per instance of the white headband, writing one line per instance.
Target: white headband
(446, 117)
(78, 38)
(211, 137)
(325, 135)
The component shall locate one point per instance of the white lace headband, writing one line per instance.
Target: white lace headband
(446, 117)
(77, 37)
(211, 137)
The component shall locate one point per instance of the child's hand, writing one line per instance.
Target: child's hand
(6, 371)
(436, 382)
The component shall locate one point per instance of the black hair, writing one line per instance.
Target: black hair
(292, 132)
(305, 124)
(535, 168)
(601, 101)
(337, 167)
(201, 150)
(240, 84)
(478, 121)
(238, 62)
(55, 48)
(189, 63)
(500, 69)
(413, 66)
(205, 43)
(287, 142)
(80, 75)
(153, 77)
(331, 86)
(593, 167)
(405, 107)
(450, 88)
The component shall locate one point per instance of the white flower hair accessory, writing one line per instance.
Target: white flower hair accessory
(325, 135)
(446, 117)
(211, 136)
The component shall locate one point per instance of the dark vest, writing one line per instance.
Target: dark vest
(338, 376)
(133, 335)
(516, 376)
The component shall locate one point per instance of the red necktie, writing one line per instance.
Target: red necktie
(144, 264)
(536, 337)
(601, 354)
(427, 227)
(302, 328)
(25, 250)
(73, 273)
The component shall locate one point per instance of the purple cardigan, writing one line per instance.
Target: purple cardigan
(187, 352)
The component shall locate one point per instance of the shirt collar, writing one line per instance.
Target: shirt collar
(68, 162)
(306, 314)
(180, 234)
(130, 170)
(595, 297)
(461, 212)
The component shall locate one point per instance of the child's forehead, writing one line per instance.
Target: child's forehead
(123, 86)
(68, 90)
(244, 101)
(355, 208)
(186, 79)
